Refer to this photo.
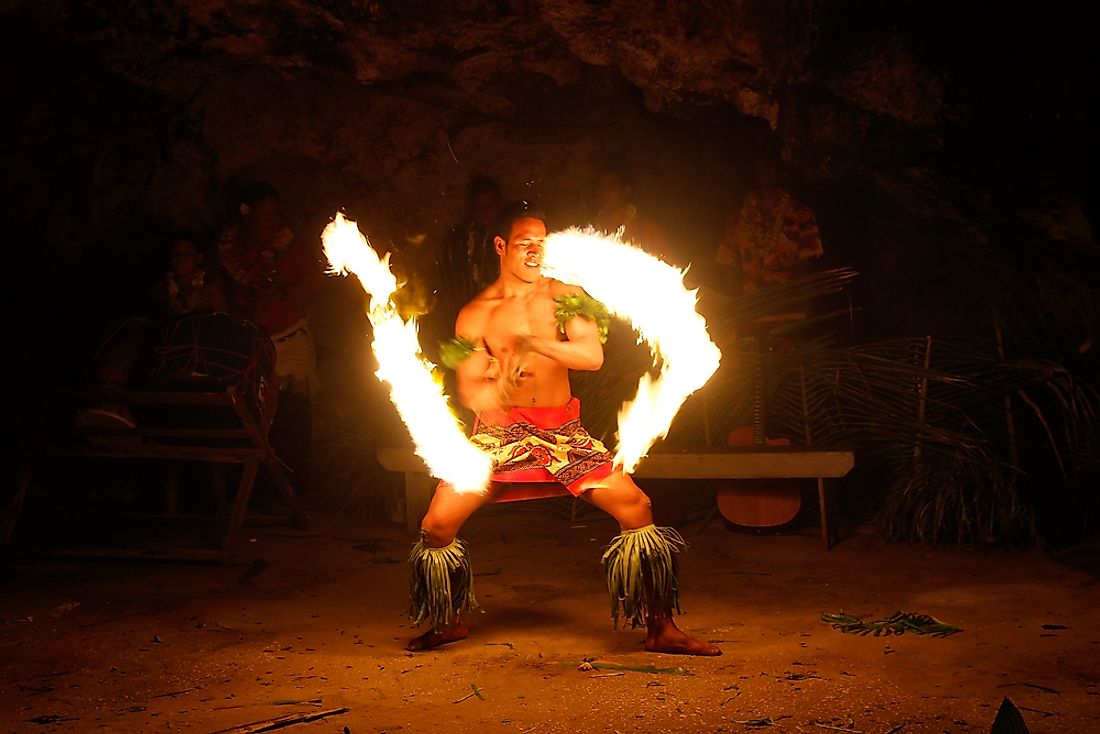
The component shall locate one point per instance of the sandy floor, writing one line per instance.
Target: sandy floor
(157, 647)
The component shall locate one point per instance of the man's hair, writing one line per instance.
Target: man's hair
(258, 191)
(197, 241)
(187, 235)
(482, 184)
(514, 212)
(620, 168)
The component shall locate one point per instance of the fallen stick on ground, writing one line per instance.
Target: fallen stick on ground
(174, 693)
(1036, 686)
(278, 723)
(1046, 714)
(55, 674)
(52, 719)
(315, 702)
(476, 692)
(838, 728)
(595, 665)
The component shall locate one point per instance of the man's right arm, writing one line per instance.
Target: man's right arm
(478, 385)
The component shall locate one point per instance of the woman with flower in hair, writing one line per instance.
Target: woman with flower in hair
(273, 278)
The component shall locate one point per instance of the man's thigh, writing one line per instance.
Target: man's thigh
(451, 508)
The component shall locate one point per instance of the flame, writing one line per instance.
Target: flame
(649, 293)
(419, 398)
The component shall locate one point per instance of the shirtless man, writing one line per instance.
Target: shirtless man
(521, 336)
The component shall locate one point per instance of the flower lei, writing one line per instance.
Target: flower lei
(197, 281)
(258, 270)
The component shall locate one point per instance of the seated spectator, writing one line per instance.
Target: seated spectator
(274, 277)
(187, 287)
(772, 237)
(464, 261)
(616, 209)
(467, 256)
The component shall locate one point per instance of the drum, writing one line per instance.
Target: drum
(211, 351)
(123, 355)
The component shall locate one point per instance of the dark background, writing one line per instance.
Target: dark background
(948, 150)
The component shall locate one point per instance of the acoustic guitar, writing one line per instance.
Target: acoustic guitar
(759, 503)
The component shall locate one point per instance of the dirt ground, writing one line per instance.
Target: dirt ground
(143, 647)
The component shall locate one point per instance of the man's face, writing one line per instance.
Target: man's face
(611, 193)
(185, 258)
(264, 220)
(522, 254)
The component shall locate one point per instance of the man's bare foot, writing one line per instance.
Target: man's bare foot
(435, 638)
(662, 635)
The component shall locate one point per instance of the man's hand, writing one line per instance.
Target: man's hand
(486, 401)
(500, 377)
(512, 369)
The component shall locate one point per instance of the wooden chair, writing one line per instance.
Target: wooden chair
(216, 427)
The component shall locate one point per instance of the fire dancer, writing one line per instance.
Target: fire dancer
(188, 287)
(515, 344)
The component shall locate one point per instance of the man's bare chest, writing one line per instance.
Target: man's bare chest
(514, 317)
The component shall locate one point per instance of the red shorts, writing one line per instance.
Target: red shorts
(545, 449)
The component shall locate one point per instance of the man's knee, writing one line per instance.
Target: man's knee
(635, 510)
(435, 532)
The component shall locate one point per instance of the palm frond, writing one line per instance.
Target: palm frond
(897, 623)
(946, 416)
(783, 297)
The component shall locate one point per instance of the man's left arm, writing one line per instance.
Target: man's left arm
(581, 351)
(582, 348)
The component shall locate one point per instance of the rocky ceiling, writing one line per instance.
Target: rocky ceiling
(962, 120)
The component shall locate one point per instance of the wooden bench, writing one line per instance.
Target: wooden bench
(750, 462)
(213, 427)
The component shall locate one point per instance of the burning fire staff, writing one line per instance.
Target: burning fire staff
(515, 344)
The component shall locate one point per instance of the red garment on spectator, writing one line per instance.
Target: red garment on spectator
(272, 284)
